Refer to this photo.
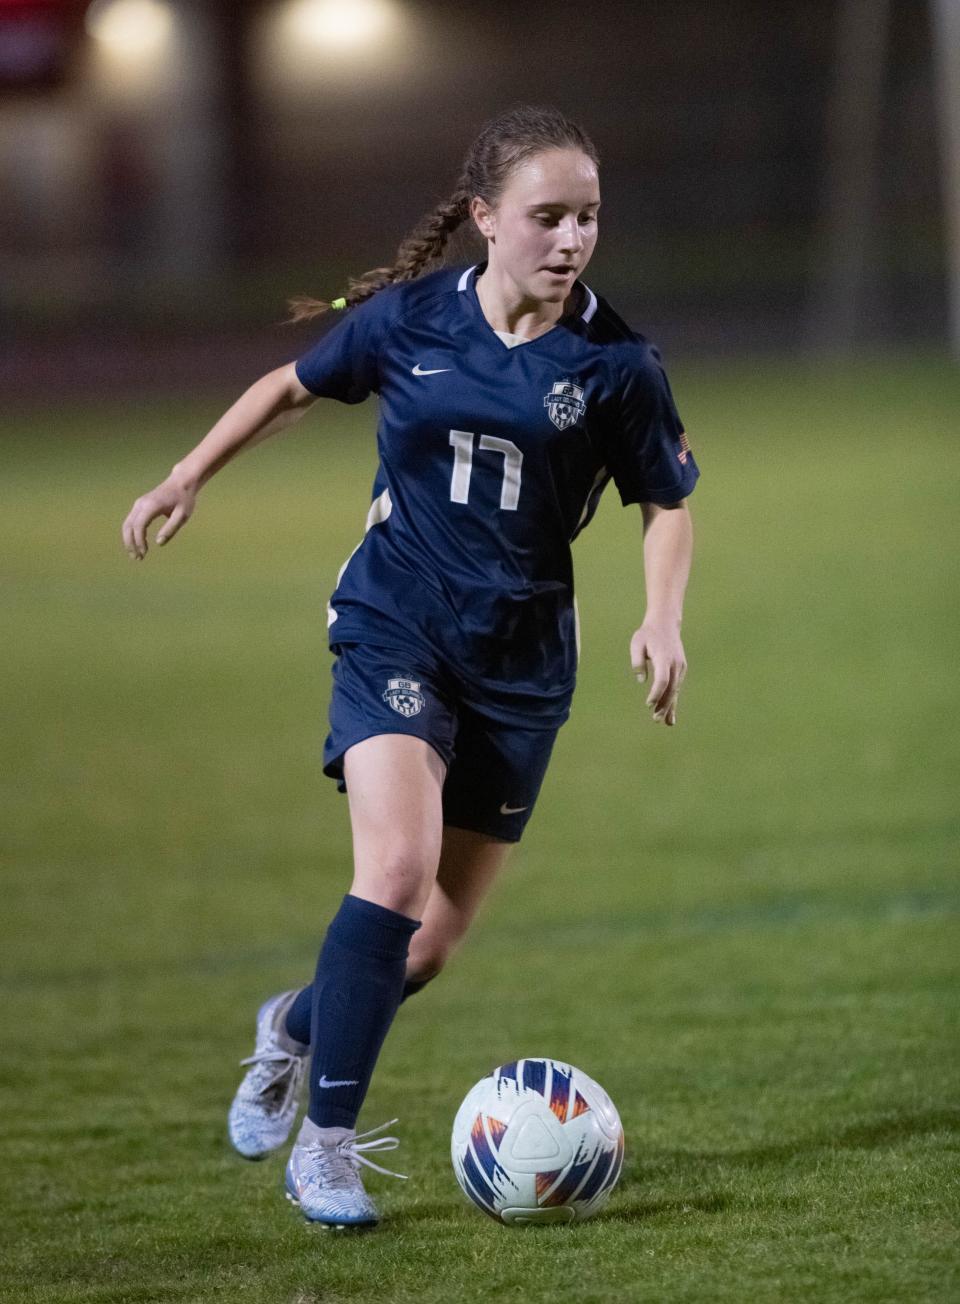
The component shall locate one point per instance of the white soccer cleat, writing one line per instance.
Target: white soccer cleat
(268, 1099)
(323, 1175)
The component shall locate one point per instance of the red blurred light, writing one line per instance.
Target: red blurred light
(37, 38)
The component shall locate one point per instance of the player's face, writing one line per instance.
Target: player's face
(543, 230)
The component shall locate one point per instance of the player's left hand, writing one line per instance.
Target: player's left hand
(656, 650)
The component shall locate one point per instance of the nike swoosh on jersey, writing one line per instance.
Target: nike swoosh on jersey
(339, 1082)
(511, 810)
(433, 371)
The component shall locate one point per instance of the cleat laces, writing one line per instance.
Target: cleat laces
(336, 1167)
(279, 1087)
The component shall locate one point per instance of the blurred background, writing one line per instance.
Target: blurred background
(171, 170)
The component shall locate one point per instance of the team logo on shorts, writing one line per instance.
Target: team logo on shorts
(565, 404)
(404, 696)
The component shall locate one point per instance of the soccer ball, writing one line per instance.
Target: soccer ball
(537, 1141)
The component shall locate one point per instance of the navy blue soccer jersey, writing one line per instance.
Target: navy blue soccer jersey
(492, 459)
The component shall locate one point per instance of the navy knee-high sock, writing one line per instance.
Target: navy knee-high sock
(298, 1015)
(356, 992)
(301, 1008)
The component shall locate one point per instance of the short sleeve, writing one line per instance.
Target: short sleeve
(648, 452)
(343, 364)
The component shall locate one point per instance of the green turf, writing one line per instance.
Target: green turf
(745, 928)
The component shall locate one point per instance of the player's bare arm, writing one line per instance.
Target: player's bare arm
(656, 646)
(271, 404)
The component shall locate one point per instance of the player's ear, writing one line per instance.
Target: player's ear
(482, 214)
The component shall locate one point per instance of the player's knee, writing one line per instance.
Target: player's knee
(400, 880)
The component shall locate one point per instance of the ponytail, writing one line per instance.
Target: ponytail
(503, 144)
(424, 245)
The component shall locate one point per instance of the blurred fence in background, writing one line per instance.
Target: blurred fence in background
(171, 170)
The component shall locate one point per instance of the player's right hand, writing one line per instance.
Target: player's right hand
(173, 499)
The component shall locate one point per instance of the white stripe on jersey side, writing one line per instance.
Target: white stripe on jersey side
(587, 313)
(380, 509)
(598, 479)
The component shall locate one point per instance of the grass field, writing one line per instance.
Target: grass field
(745, 927)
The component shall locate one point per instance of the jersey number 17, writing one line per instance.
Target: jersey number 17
(462, 442)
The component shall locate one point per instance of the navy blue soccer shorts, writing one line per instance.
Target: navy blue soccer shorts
(494, 768)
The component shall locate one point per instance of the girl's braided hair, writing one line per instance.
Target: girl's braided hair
(503, 144)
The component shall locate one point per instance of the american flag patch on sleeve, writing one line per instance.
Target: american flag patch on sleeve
(684, 448)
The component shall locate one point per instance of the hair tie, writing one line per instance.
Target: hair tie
(339, 303)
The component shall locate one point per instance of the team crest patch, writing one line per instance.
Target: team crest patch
(404, 696)
(565, 404)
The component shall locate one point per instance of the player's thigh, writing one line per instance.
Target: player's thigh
(470, 864)
(391, 736)
(394, 786)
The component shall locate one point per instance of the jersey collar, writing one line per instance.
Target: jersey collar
(467, 285)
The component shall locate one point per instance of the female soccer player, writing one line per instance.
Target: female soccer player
(510, 394)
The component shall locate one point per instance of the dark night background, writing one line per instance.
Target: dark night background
(185, 200)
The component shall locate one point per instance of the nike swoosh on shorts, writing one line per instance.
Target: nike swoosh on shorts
(511, 810)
